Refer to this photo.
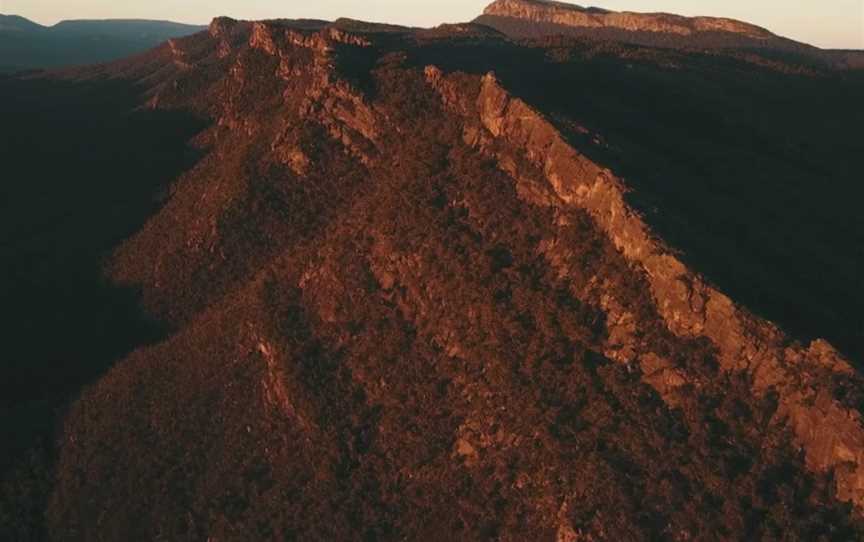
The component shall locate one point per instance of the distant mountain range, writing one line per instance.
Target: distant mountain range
(28, 45)
(531, 19)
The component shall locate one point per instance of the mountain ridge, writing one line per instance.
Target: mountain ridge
(411, 288)
(16, 22)
(28, 45)
(23, 21)
(538, 18)
(574, 15)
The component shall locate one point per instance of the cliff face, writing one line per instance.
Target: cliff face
(832, 436)
(540, 11)
(540, 18)
(407, 302)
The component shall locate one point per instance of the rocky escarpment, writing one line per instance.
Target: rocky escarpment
(403, 305)
(540, 18)
(541, 11)
(831, 435)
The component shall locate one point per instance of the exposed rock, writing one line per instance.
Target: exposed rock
(180, 57)
(572, 15)
(832, 436)
(221, 27)
(346, 38)
(263, 38)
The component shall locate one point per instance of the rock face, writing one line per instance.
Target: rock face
(689, 307)
(406, 303)
(538, 18)
(541, 11)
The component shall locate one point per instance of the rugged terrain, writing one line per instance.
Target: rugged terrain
(25, 45)
(535, 18)
(366, 282)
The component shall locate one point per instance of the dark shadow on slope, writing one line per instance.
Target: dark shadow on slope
(82, 170)
(79, 43)
(754, 174)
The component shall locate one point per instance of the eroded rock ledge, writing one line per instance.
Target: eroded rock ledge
(573, 15)
(831, 435)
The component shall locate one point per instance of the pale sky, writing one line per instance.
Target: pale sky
(825, 23)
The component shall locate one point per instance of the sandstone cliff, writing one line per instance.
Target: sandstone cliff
(538, 18)
(541, 11)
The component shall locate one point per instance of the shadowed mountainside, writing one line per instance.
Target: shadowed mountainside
(418, 284)
(25, 45)
(82, 171)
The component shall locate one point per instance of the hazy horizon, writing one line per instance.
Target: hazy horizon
(837, 24)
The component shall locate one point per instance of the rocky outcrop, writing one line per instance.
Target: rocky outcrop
(220, 27)
(831, 435)
(542, 11)
(264, 38)
(180, 56)
(329, 98)
(546, 19)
